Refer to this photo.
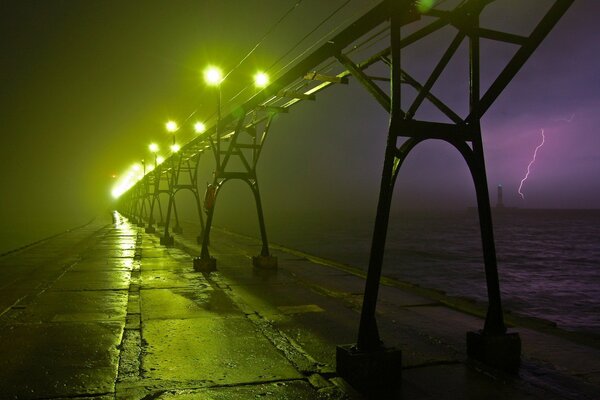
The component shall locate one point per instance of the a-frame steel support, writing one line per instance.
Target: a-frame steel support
(236, 154)
(183, 175)
(369, 364)
(155, 178)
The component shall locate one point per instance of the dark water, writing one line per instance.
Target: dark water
(549, 260)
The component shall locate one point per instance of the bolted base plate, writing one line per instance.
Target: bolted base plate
(205, 264)
(150, 229)
(375, 373)
(178, 229)
(167, 241)
(264, 262)
(499, 351)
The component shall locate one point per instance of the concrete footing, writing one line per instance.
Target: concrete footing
(167, 240)
(374, 373)
(205, 264)
(264, 262)
(499, 351)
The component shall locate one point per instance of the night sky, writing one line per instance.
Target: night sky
(87, 85)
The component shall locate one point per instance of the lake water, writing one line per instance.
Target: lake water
(549, 260)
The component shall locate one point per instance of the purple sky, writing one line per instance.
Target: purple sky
(87, 85)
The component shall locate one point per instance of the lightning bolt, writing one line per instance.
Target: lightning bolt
(568, 120)
(531, 164)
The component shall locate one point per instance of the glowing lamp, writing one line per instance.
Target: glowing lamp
(261, 79)
(199, 127)
(172, 126)
(213, 76)
(153, 147)
(175, 148)
(160, 159)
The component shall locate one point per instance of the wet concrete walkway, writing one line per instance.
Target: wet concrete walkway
(105, 312)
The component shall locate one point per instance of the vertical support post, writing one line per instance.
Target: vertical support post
(177, 228)
(194, 182)
(206, 263)
(264, 259)
(199, 207)
(368, 336)
(155, 191)
(368, 365)
(491, 345)
(167, 239)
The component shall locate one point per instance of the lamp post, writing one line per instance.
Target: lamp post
(213, 77)
(261, 79)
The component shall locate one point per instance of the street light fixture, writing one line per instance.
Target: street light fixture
(172, 126)
(199, 127)
(261, 79)
(213, 76)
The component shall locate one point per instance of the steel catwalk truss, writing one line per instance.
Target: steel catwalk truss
(374, 42)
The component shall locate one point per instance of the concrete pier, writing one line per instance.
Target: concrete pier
(105, 312)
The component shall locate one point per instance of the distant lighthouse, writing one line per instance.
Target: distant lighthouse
(500, 202)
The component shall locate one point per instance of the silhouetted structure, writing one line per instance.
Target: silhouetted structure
(241, 132)
(500, 201)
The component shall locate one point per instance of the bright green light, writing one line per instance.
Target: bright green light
(153, 147)
(199, 127)
(160, 159)
(261, 79)
(213, 76)
(136, 167)
(425, 5)
(175, 148)
(172, 126)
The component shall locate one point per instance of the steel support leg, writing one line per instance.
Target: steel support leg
(177, 228)
(264, 259)
(369, 366)
(150, 227)
(167, 239)
(206, 263)
(202, 224)
(492, 345)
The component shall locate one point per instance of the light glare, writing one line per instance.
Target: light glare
(153, 147)
(175, 148)
(213, 76)
(172, 126)
(199, 127)
(261, 79)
